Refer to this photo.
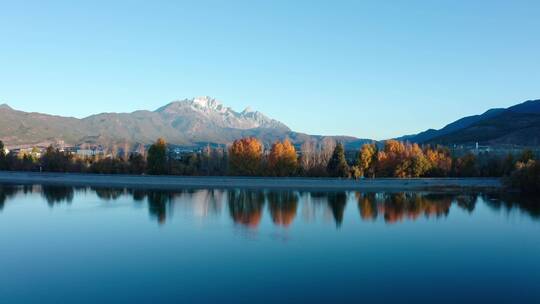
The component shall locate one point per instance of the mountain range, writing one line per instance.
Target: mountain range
(516, 125)
(204, 120)
(189, 122)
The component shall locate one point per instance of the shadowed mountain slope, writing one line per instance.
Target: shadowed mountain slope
(516, 125)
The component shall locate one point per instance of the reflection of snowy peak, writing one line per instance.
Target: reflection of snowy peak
(209, 110)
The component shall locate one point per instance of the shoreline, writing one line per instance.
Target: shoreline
(163, 182)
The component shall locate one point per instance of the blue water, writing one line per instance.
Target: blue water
(83, 245)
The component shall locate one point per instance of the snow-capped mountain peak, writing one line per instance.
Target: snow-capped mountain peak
(212, 111)
(206, 102)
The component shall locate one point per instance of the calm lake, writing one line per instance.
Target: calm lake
(74, 245)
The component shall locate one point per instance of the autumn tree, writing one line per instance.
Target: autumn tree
(413, 162)
(157, 157)
(412, 166)
(440, 161)
(245, 156)
(337, 165)
(367, 160)
(526, 177)
(282, 160)
(389, 159)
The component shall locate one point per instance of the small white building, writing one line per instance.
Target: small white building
(88, 152)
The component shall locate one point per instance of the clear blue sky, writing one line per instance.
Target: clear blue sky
(367, 69)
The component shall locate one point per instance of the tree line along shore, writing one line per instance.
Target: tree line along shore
(247, 157)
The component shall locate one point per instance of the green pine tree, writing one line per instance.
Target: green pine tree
(337, 166)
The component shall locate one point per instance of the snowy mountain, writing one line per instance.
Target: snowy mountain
(189, 122)
(211, 111)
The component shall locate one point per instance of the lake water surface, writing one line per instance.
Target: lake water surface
(92, 245)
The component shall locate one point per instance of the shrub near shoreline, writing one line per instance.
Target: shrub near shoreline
(526, 177)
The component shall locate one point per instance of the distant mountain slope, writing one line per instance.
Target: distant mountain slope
(516, 125)
(507, 128)
(17, 127)
(189, 122)
(452, 127)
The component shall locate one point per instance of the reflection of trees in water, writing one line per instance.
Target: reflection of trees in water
(108, 193)
(527, 204)
(367, 205)
(7, 191)
(203, 203)
(313, 203)
(157, 204)
(337, 202)
(396, 206)
(137, 194)
(157, 200)
(334, 202)
(57, 194)
(246, 206)
(466, 202)
(161, 202)
(282, 206)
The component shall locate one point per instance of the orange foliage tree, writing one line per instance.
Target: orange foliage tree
(400, 159)
(282, 160)
(440, 161)
(245, 156)
(390, 158)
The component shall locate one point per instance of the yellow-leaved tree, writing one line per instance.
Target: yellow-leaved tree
(245, 156)
(282, 160)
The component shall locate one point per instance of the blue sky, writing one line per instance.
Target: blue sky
(360, 68)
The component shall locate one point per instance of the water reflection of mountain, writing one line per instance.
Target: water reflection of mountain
(246, 207)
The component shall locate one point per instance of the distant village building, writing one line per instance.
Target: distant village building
(71, 149)
(60, 145)
(179, 153)
(89, 152)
